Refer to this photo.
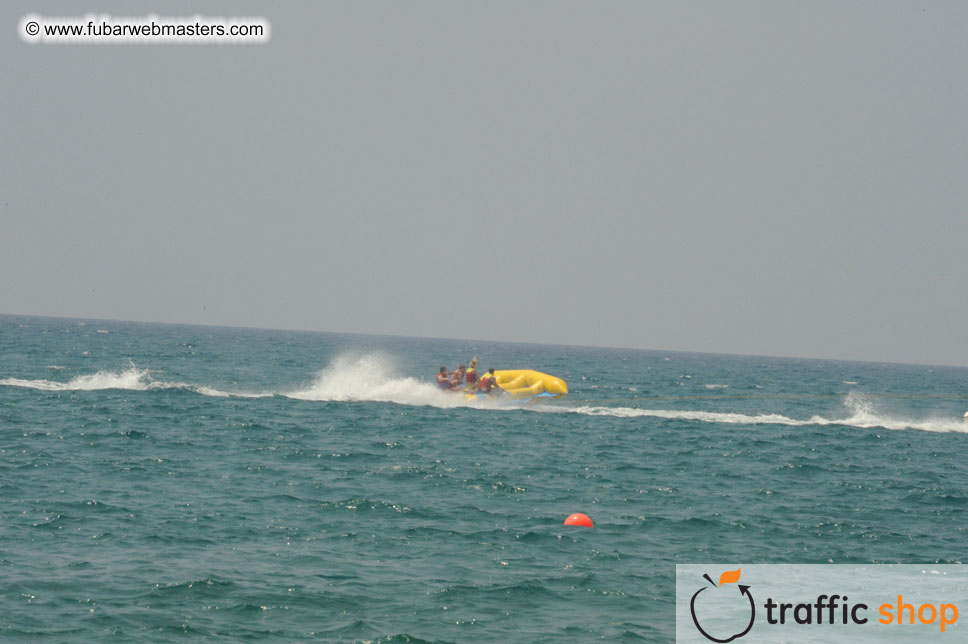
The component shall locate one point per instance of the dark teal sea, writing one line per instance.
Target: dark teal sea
(164, 483)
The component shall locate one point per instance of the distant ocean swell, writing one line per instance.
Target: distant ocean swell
(371, 378)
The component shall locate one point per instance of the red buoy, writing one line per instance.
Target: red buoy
(579, 519)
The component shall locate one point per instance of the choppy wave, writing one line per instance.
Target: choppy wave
(373, 377)
(861, 414)
(132, 379)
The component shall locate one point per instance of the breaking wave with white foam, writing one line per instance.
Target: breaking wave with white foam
(373, 377)
(861, 414)
(131, 379)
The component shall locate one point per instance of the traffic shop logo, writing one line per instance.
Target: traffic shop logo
(719, 594)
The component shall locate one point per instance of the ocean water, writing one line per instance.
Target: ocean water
(164, 483)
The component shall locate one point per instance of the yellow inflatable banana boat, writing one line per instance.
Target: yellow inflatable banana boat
(523, 385)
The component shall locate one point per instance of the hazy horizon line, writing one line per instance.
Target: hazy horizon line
(456, 339)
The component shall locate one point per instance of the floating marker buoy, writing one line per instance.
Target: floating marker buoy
(579, 519)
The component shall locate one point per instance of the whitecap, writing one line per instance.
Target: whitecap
(373, 377)
(861, 414)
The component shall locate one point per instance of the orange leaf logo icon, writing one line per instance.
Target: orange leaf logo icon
(729, 577)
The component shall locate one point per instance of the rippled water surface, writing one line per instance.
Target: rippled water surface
(173, 483)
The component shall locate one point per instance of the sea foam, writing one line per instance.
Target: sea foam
(373, 377)
(861, 413)
(131, 379)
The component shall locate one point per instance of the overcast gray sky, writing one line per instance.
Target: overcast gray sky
(778, 178)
